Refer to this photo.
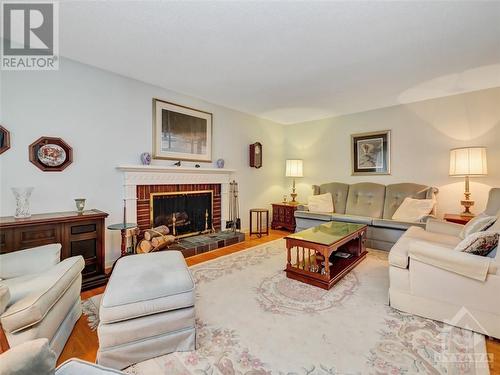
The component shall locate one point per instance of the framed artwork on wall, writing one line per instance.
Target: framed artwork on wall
(371, 153)
(50, 154)
(181, 133)
(4, 139)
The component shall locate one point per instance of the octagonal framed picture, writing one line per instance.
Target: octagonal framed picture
(50, 154)
(4, 139)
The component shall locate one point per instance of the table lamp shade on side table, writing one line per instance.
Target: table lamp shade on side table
(468, 162)
(294, 168)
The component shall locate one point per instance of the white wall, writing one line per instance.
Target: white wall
(107, 119)
(422, 134)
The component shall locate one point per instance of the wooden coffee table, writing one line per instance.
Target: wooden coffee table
(309, 250)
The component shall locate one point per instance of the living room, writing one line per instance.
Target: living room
(356, 106)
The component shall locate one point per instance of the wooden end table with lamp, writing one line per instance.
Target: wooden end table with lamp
(283, 213)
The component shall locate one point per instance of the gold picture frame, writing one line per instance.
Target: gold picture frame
(181, 133)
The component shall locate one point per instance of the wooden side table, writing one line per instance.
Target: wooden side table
(458, 219)
(260, 212)
(123, 227)
(283, 216)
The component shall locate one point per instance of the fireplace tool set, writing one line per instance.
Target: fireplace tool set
(234, 222)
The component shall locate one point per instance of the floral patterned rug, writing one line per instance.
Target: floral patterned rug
(252, 320)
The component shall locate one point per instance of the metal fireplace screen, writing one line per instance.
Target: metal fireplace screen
(185, 213)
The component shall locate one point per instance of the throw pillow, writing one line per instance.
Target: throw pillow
(479, 243)
(321, 203)
(477, 224)
(413, 210)
(493, 253)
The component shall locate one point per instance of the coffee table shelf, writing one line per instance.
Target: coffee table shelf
(309, 250)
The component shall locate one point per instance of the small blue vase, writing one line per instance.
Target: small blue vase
(220, 163)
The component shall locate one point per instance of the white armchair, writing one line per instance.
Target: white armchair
(36, 357)
(430, 279)
(39, 295)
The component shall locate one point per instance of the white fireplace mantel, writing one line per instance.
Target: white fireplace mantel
(135, 175)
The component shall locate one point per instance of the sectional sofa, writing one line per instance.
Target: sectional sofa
(367, 203)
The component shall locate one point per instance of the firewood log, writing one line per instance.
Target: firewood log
(149, 234)
(144, 246)
(163, 241)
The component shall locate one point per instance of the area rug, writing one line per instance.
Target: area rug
(253, 320)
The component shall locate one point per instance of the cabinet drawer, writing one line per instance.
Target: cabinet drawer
(85, 228)
(37, 236)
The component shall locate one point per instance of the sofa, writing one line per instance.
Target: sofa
(428, 278)
(366, 203)
(39, 295)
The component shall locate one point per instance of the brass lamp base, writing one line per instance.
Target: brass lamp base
(467, 203)
(293, 195)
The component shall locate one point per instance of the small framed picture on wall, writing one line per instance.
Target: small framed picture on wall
(371, 153)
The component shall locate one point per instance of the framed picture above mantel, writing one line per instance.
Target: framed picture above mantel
(181, 133)
(371, 153)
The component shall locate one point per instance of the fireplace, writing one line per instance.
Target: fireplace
(157, 204)
(185, 213)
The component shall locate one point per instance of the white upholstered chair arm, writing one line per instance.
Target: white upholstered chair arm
(29, 261)
(465, 264)
(443, 227)
(4, 298)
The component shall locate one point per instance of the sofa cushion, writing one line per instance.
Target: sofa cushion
(477, 224)
(29, 261)
(323, 216)
(29, 358)
(33, 307)
(395, 224)
(352, 219)
(339, 193)
(414, 210)
(366, 199)
(493, 205)
(320, 203)
(396, 193)
(146, 284)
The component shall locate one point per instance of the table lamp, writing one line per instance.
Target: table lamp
(294, 169)
(468, 162)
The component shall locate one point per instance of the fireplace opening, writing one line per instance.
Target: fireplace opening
(185, 213)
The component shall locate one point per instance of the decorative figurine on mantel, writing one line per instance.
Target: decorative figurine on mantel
(178, 164)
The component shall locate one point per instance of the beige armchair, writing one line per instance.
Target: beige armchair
(430, 279)
(39, 295)
(36, 357)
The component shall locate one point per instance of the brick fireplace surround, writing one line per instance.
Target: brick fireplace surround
(144, 191)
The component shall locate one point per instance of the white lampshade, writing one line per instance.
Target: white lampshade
(468, 161)
(294, 168)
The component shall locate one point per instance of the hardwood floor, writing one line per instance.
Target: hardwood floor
(83, 342)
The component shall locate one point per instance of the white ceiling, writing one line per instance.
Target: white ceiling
(292, 61)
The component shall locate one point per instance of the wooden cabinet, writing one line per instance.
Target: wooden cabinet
(283, 216)
(79, 234)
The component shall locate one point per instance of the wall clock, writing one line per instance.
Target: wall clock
(256, 155)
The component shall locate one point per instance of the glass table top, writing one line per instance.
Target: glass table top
(328, 233)
(122, 226)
